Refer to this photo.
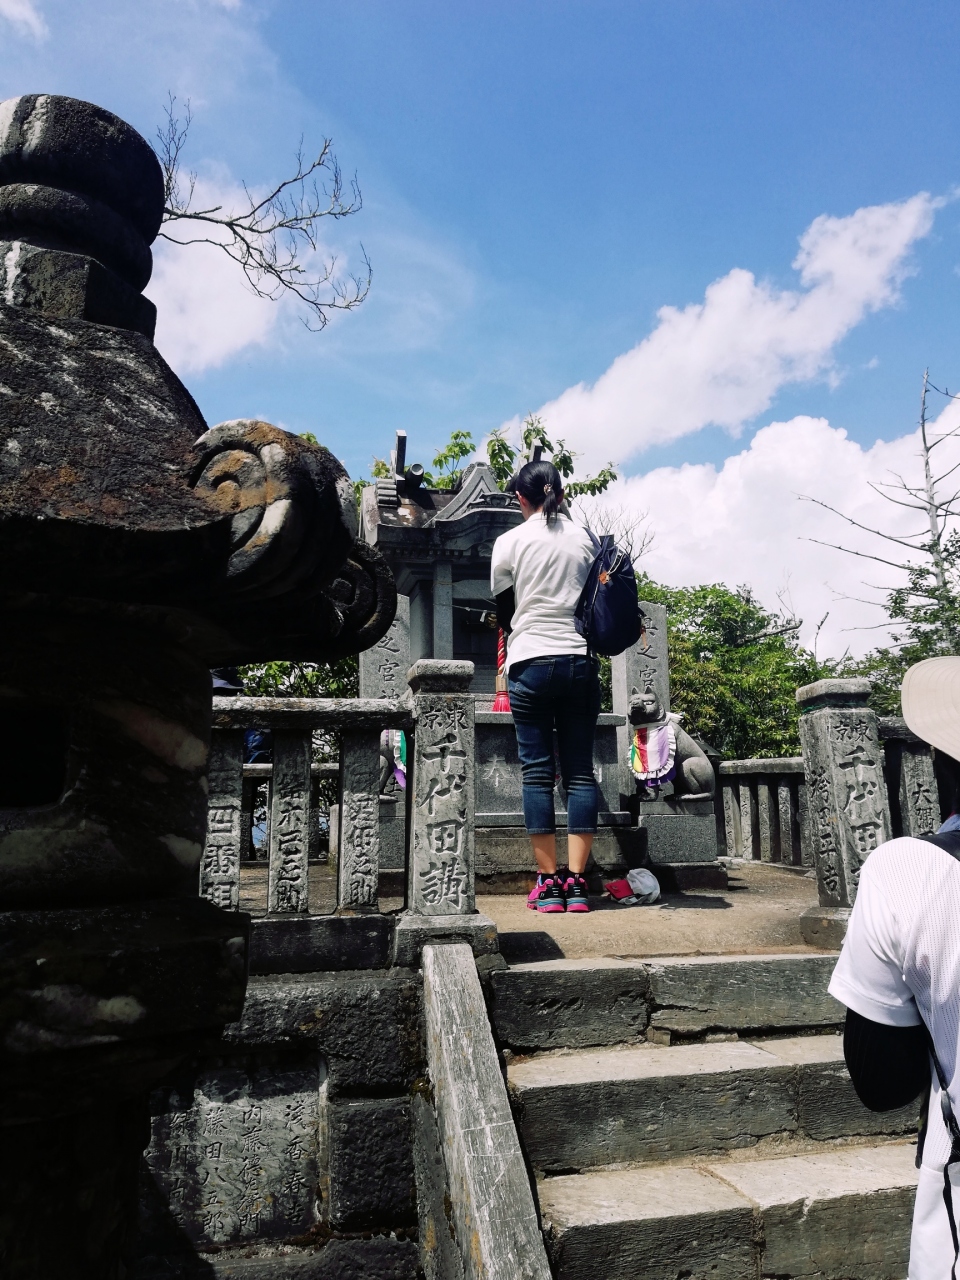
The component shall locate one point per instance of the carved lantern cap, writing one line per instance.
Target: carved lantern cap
(77, 178)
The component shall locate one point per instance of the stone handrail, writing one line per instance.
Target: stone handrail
(292, 821)
(288, 714)
(438, 713)
(763, 808)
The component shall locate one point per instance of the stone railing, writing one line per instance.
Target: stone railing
(437, 714)
(762, 804)
(256, 778)
(292, 817)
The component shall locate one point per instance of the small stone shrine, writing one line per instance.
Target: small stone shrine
(438, 543)
(138, 548)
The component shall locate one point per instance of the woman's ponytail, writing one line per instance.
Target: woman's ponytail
(542, 486)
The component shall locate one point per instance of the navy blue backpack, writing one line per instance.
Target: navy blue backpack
(608, 614)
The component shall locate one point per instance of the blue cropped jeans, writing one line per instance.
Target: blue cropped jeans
(562, 693)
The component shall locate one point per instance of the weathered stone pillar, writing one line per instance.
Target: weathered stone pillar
(358, 869)
(443, 610)
(220, 863)
(383, 674)
(440, 865)
(383, 669)
(911, 777)
(643, 665)
(287, 883)
(849, 813)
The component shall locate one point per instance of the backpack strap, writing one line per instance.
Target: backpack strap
(597, 545)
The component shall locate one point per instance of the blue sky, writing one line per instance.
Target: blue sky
(540, 179)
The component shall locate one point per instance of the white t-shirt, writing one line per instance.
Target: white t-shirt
(900, 964)
(547, 566)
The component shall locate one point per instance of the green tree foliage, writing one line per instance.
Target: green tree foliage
(301, 679)
(503, 459)
(734, 669)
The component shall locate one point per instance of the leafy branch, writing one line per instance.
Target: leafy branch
(502, 457)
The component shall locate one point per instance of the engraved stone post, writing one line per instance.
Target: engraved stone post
(765, 820)
(220, 863)
(289, 808)
(440, 863)
(443, 610)
(643, 665)
(359, 845)
(849, 809)
(914, 777)
(383, 674)
(788, 842)
(919, 798)
(383, 669)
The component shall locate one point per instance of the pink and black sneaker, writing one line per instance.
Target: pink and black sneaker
(546, 895)
(575, 891)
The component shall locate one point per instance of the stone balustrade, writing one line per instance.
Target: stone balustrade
(437, 714)
(763, 806)
(292, 820)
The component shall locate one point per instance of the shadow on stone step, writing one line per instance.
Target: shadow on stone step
(528, 947)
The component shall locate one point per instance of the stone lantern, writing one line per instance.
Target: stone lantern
(138, 548)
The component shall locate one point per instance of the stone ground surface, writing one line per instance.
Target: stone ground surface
(758, 914)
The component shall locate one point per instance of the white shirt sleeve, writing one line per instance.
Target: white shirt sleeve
(501, 564)
(869, 974)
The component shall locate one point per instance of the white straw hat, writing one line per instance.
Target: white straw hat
(930, 696)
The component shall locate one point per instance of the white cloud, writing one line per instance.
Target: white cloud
(25, 17)
(745, 523)
(722, 361)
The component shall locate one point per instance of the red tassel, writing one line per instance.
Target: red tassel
(502, 701)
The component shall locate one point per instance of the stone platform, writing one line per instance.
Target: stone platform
(758, 913)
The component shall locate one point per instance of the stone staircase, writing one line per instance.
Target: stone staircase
(688, 1119)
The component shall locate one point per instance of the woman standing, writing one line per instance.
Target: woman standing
(537, 574)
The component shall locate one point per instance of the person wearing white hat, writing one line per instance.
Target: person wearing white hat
(899, 976)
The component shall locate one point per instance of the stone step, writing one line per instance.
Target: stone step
(842, 1213)
(569, 1004)
(602, 1107)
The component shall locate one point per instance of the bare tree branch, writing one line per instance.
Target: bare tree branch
(275, 239)
(630, 528)
(864, 555)
(856, 523)
(927, 603)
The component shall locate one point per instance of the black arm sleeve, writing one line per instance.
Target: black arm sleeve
(506, 604)
(889, 1066)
